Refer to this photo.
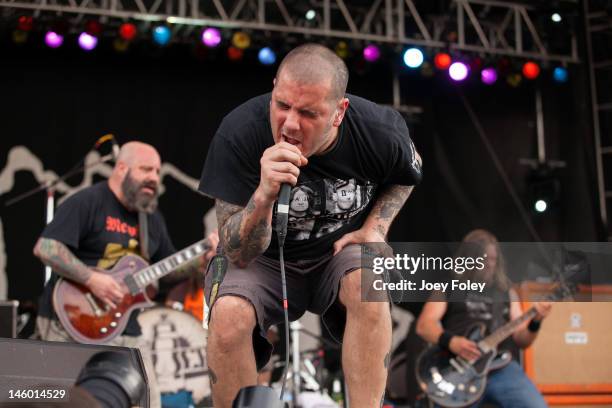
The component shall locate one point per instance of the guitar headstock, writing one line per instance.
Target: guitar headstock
(563, 291)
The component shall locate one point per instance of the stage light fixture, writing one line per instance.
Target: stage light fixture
(458, 71)
(413, 57)
(87, 42)
(20, 37)
(475, 64)
(427, 70)
(560, 74)
(310, 15)
(540, 206)
(93, 28)
(514, 79)
(371, 53)
(234, 54)
(556, 17)
(504, 66)
(267, 56)
(531, 70)
(25, 23)
(241, 40)
(53, 39)
(120, 45)
(488, 75)
(128, 31)
(211, 37)
(442, 60)
(543, 188)
(342, 49)
(161, 35)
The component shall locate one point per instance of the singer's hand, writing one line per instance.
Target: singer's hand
(279, 164)
(213, 240)
(361, 236)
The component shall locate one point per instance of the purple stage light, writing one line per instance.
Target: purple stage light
(87, 42)
(53, 39)
(211, 37)
(458, 71)
(371, 53)
(488, 76)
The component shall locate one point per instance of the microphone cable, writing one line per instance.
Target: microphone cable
(286, 311)
(282, 217)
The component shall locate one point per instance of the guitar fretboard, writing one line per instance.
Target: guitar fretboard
(167, 265)
(507, 329)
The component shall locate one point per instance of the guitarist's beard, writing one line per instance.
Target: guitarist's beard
(137, 199)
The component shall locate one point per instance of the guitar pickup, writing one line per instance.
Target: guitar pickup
(131, 284)
(456, 365)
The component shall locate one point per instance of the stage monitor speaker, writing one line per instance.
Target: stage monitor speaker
(36, 365)
(8, 318)
(572, 351)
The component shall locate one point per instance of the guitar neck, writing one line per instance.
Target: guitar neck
(154, 272)
(507, 329)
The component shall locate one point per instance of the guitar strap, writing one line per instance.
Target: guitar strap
(143, 230)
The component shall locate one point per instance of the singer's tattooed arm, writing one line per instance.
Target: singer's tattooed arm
(244, 232)
(386, 208)
(388, 205)
(57, 255)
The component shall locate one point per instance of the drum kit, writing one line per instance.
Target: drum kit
(178, 349)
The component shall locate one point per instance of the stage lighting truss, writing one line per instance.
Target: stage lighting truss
(480, 26)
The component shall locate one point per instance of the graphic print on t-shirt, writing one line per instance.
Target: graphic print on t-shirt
(317, 208)
(114, 251)
(116, 225)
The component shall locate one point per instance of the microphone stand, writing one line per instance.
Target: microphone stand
(49, 186)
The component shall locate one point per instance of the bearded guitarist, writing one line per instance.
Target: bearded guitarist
(445, 323)
(94, 228)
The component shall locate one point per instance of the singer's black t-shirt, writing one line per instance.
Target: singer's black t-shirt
(335, 191)
(99, 230)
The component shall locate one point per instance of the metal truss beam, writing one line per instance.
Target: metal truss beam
(598, 26)
(514, 34)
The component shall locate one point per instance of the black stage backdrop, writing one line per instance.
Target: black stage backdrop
(58, 102)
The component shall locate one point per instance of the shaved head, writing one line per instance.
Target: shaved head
(132, 151)
(315, 64)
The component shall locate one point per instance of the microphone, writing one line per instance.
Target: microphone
(282, 213)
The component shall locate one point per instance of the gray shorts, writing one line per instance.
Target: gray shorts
(311, 286)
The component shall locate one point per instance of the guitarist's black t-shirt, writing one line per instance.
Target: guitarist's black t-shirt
(492, 308)
(99, 230)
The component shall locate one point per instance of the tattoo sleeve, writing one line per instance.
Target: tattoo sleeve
(244, 232)
(57, 255)
(387, 206)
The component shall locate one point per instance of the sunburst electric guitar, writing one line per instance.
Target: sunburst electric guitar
(88, 319)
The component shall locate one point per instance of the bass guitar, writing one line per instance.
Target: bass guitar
(454, 382)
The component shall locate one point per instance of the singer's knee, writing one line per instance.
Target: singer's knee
(232, 322)
(351, 298)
